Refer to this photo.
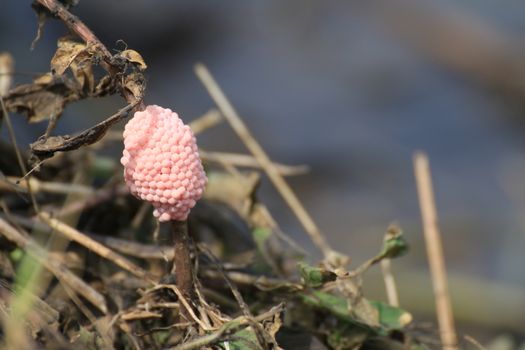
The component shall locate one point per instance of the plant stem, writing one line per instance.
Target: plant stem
(435, 252)
(182, 264)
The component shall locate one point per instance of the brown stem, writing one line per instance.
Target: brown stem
(182, 264)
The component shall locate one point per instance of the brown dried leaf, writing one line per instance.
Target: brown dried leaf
(135, 84)
(46, 147)
(44, 99)
(134, 57)
(67, 52)
(83, 73)
(38, 105)
(105, 86)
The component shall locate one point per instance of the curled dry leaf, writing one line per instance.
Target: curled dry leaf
(46, 147)
(68, 51)
(135, 84)
(77, 57)
(134, 57)
(43, 99)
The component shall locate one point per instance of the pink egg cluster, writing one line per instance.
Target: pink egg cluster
(161, 163)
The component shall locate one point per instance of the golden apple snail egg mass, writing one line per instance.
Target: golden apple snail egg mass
(161, 163)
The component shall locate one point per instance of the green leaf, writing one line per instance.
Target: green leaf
(334, 305)
(315, 277)
(394, 244)
(245, 339)
(391, 317)
(346, 336)
(260, 236)
(16, 255)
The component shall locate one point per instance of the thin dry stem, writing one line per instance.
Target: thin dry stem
(244, 160)
(253, 146)
(230, 327)
(50, 263)
(390, 282)
(21, 163)
(435, 252)
(208, 120)
(474, 342)
(37, 186)
(184, 302)
(103, 251)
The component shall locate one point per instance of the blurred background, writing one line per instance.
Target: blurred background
(351, 89)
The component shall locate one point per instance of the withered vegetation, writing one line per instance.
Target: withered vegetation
(84, 265)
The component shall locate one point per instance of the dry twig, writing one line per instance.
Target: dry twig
(390, 282)
(243, 160)
(77, 236)
(55, 267)
(275, 177)
(435, 252)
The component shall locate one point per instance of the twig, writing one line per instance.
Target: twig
(474, 342)
(139, 217)
(206, 121)
(253, 146)
(390, 282)
(21, 163)
(182, 264)
(138, 250)
(183, 301)
(244, 160)
(230, 327)
(199, 125)
(103, 251)
(259, 331)
(61, 273)
(435, 251)
(249, 279)
(10, 184)
(99, 196)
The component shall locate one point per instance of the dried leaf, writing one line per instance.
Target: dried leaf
(67, 52)
(105, 86)
(46, 147)
(134, 57)
(44, 99)
(83, 73)
(37, 105)
(135, 84)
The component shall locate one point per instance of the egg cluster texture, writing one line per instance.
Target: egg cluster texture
(162, 164)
